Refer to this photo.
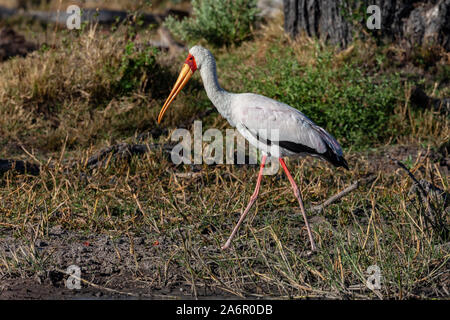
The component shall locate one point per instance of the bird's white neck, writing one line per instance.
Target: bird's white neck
(218, 96)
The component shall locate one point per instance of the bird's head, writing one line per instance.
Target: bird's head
(201, 55)
(198, 56)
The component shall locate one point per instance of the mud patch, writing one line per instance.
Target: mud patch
(13, 44)
(111, 268)
(379, 160)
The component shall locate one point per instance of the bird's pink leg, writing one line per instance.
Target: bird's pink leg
(250, 204)
(300, 202)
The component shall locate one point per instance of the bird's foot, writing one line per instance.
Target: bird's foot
(226, 245)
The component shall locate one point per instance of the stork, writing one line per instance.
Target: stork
(254, 116)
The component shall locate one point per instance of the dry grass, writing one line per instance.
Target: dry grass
(63, 103)
(191, 217)
(33, 90)
(77, 94)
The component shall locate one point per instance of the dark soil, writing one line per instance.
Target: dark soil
(13, 44)
(111, 268)
(381, 159)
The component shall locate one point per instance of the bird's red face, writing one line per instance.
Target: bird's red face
(186, 73)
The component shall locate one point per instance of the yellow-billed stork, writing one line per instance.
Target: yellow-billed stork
(255, 117)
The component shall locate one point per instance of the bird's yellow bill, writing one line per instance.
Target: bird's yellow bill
(183, 78)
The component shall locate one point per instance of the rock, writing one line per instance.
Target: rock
(13, 44)
(6, 12)
(56, 230)
(421, 100)
(41, 243)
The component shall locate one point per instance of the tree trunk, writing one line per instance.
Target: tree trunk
(413, 22)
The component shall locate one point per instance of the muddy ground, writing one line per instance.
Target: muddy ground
(126, 267)
(110, 268)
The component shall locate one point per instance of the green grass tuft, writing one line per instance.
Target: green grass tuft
(219, 22)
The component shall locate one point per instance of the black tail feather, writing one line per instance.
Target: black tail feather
(336, 160)
(329, 155)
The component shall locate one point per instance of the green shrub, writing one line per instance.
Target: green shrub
(219, 22)
(134, 66)
(358, 109)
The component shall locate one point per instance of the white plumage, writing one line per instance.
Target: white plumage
(256, 117)
(274, 127)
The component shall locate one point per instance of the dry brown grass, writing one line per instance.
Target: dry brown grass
(60, 104)
(191, 217)
(34, 90)
(70, 94)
